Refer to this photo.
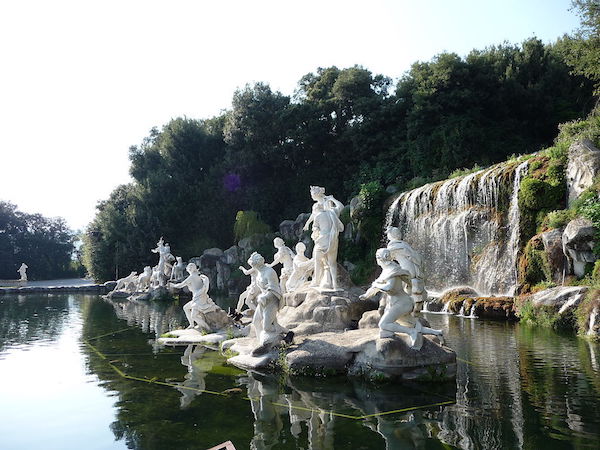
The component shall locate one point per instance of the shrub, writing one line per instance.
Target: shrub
(247, 223)
(558, 219)
(537, 194)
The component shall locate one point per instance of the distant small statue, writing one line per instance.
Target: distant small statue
(201, 303)
(409, 260)
(144, 280)
(23, 271)
(128, 283)
(326, 227)
(265, 325)
(302, 269)
(178, 272)
(397, 316)
(285, 257)
(251, 293)
(164, 256)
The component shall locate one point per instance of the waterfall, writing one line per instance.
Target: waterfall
(446, 309)
(461, 313)
(466, 228)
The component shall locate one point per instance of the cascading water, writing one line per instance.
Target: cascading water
(466, 229)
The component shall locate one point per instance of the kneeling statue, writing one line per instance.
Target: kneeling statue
(201, 303)
(397, 315)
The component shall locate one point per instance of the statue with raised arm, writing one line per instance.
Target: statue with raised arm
(128, 283)
(326, 227)
(250, 294)
(302, 269)
(397, 316)
(23, 271)
(267, 329)
(285, 257)
(201, 303)
(164, 256)
(178, 272)
(409, 260)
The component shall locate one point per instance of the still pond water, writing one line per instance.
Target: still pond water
(78, 371)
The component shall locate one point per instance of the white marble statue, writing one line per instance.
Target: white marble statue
(250, 295)
(23, 271)
(285, 257)
(302, 269)
(201, 303)
(267, 329)
(164, 256)
(397, 316)
(155, 278)
(178, 272)
(128, 283)
(409, 260)
(144, 280)
(326, 227)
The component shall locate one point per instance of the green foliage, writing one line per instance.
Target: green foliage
(536, 194)
(44, 244)
(462, 172)
(371, 196)
(585, 308)
(247, 223)
(533, 265)
(544, 316)
(191, 177)
(558, 219)
(582, 50)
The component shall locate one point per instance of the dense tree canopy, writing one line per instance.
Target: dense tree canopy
(341, 129)
(44, 244)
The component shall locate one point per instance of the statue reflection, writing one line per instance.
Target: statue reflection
(312, 415)
(194, 381)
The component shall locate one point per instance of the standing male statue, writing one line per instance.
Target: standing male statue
(23, 271)
(326, 227)
(164, 256)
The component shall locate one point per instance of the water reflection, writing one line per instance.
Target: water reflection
(516, 387)
(157, 317)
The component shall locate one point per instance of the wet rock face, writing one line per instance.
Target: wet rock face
(553, 247)
(292, 230)
(583, 167)
(578, 244)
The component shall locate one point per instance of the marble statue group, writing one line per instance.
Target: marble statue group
(268, 297)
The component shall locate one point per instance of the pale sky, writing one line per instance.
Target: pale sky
(82, 80)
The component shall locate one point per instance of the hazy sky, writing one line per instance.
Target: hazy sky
(82, 80)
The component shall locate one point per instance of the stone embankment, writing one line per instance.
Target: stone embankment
(86, 289)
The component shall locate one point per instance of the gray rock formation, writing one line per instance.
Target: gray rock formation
(562, 298)
(578, 244)
(362, 352)
(553, 247)
(292, 230)
(308, 311)
(583, 167)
